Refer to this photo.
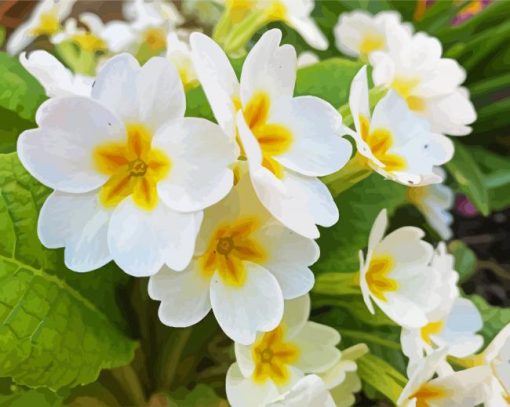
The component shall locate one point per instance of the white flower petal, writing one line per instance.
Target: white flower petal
(160, 93)
(269, 67)
(80, 224)
(317, 148)
(290, 255)
(119, 36)
(310, 32)
(200, 154)
(296, 314)
(378, 229)
(309, 391)
(317, 345)
(244, 392)
(184, 296)
(142, 241)
(257, 306)
(60, 152)
(115, 87)
(217, 78)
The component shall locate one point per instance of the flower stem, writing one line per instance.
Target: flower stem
(244, 31)
(356, 170)
(171, 355)
(127, 378)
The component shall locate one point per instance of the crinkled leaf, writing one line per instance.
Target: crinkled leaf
(465, 259)
(53, 333)
(200, 396)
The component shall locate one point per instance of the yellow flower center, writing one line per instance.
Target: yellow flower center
(404, 87)
(134, 169)
(272, 356)
(155, 39)
(416, 195)
(377, 277)
(89, 42)
(371, 42)
(427, 393)
(380, 142)
(49, 24)
(432, 328)
(274, 139)
(229, 248)
(276, 11)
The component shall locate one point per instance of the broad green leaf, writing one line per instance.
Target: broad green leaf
(329, 79)
(466, 172)
(54, 333)
(19, 91)
(358, 207)
(494, 318)
(381, 376)
(32, 397)
(465, 259)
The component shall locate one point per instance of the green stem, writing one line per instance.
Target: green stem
(337, 284)
(126, 377)
(244, 31)
(356, 170)
(223, 27)
(172, 355)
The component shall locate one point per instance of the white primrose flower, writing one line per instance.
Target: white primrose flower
(396, 274)
(359, 33)
(342, 379)
(294, 13)
(497, 357)
(245, 265)
(307, 58)
(309, 391)
(288, 141)
(395, 142)
(453, 389)
(179, 53)
(54, 77)
(131, 174)
(453, 323)
(278, 359)
(114, 36)
(46, 19)
(434, 202)
(152, 22)
(412, 66)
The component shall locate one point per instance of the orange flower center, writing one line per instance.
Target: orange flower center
(274, 139)
(427, 393)
(229, 248)
(377, 278)
(432, 328)
(134, 168)
(272, 355)
(380, 142)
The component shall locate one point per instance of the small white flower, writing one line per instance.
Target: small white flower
(46, 19)
(288, 141)
(245, 265)
(453, 389)
(179, 53)
(277, 360)
(114, 36)
(396, 143)
(359, 33)
(434, 202)
(342, 379)
(309, 391)
(397, 276)
(497, 357)
(54, 77)
(131, 174)
(412, 66)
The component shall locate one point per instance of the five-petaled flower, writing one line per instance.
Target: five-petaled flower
(131, 174)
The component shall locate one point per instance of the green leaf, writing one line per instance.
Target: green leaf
(465, 259)
(381, 376)
(329, 79)
(35, 397)
(466, 172)
(54, 333)
(494, 318)
(20, 92)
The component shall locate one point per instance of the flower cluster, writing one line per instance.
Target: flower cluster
(223, 215)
